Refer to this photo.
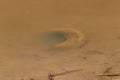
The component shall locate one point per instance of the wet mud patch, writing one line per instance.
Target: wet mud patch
(54, 37)
(62, 39)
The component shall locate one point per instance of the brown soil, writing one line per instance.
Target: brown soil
(23, 57)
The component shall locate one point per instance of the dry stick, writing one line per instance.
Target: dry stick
(51, 76)
(107, 70)
(108, 75)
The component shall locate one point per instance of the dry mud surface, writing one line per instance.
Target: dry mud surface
(43, 37)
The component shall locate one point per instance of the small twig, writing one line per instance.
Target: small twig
(51, 76)
(110, 75)
(66, 72)
(107, 70)
(105, 74)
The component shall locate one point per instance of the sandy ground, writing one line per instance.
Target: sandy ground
(23, 21)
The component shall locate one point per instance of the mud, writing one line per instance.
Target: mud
(24, 57)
